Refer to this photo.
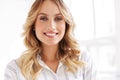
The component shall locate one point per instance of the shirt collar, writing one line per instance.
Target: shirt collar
(41, 62)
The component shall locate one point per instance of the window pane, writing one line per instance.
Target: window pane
(104, 18)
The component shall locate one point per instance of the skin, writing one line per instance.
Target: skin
(50, 29)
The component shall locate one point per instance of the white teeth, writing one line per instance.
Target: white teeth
(49, 34)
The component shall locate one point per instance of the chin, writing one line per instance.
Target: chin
(52, 43)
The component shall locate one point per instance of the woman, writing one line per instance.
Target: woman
(52, 51)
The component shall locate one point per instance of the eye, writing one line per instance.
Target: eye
(43, 18)
(58, 18)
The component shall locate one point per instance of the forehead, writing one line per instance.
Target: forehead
(49, 6)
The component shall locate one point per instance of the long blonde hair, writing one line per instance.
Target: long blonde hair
(68, 47)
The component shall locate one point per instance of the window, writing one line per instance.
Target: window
(95, 29)
(94, 18)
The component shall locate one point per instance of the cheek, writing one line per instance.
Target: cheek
(39, 27)
(38, 30)
(62, 28)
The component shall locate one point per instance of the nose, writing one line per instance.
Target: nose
(51, 25)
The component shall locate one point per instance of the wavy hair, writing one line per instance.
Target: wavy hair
(68, 46)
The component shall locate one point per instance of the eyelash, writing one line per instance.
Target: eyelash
(43, 18)
(56, 19)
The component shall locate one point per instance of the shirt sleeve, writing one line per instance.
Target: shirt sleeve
(89, 72)
(10, 71)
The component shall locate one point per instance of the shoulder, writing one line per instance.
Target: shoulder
(85, 56)
(12, 71)
(89, 68)
(12, 65)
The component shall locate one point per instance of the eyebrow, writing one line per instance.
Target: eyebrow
(47, 14)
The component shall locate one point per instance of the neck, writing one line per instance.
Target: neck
(49, 53)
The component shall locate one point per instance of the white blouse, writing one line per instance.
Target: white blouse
(13, 72)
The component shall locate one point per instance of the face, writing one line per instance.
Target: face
(50, 24)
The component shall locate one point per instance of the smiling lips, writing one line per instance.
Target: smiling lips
(51, 34)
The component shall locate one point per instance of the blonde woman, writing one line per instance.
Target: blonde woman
(52, 51)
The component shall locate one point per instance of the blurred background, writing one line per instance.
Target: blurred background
(98, 29)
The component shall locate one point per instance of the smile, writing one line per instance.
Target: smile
(51, 34)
